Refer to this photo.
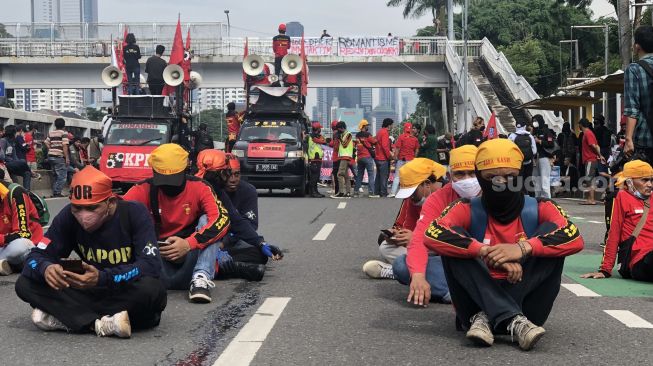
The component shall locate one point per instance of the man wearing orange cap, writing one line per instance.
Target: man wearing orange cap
(116, 287)
(188, 218)
(630, 207)
(280, 46)
(503, 252)
(244, 250)
(418, 268)
(420, 177)
(405, 150)
(365, 157)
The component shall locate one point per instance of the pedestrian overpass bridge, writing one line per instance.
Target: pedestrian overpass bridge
(413, 62)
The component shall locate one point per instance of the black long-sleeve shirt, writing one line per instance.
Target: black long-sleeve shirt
(131, 53)
(120, 257)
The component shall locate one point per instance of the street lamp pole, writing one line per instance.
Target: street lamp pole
(228, 24)
(465, 66)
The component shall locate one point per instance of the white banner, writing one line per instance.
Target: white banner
(314, 46)
(368, 46)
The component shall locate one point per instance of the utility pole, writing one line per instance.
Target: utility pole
(450, 32)
(625, 32)
(465, 66)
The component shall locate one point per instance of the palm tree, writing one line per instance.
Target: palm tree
(418, 8)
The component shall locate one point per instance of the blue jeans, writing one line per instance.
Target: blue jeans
(395, 180)
(362, 165)
(134, 80)
(16, 251)
(58, 165)
(434, 275)
(206, 260)
(381, 180)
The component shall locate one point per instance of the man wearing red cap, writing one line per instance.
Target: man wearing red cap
(405, 150)
(117, 285)
(315, 155)
(280, 46)
(188, 218)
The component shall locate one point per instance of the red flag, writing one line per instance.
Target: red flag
(176, 55)
(245, 53)
(491, 128)
(453, 142)
(304, 70)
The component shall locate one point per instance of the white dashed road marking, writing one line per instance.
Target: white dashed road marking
(342, 205)
(629, 319)
(243, 348)
(595, 222)
(323, 234)
(580, 290)
(578, 218)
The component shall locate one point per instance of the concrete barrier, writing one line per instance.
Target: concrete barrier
(43, 186)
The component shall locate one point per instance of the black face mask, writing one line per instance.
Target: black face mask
(173, 191)
(503, 202)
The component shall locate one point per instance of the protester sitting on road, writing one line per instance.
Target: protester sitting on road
(420, 177)
(630, 207)
(243, 252)
(569, 175)
(20, 230)
(503, 252)
(188, 218)
(418, 268)
(116, 285)
(241, 193)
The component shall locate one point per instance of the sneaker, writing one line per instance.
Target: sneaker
(360, 190)
(200, 289)
(5, 268)
(391, 195)
(117, 325)
(46, 322)
(378, 269)
(527, 333)
(339, 195)
(374, 196)
(480, 332)
(347, 195)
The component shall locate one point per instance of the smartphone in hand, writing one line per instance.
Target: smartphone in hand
(72, 265)
(387, 233)
(162, 243)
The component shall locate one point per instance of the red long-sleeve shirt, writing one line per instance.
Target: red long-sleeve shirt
(417, 257)
(280, 45)
(19, 219)
(562, 240)
(364, 142)
(626, 213)
(407, 146)
(383, 145)
(181, 212)
(407, 216)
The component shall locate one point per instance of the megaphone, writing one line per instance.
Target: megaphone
(291, 64)
(253, 65)
(111, 76)
(173, 75)
(195, 80)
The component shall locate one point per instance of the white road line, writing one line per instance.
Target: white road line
(324, 232)
(595, 222)
(578, 218)
(629, 319)
(342, 205)
(243, 348)
(580, 290)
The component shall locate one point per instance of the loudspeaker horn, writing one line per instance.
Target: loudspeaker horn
(111, 76)
(195, 80)
(253, 65)
(173, 75)
(292, 64)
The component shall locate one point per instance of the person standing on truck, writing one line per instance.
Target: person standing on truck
(315, 154)
(345, 155)
(154, 68)
(280, 46)
(234, 120)
(131, 54)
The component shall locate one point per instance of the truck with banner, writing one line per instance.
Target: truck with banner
(271, 145)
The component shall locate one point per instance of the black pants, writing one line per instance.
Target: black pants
(314, 176)
(526, 174)
(144, 300)
(241, 251)
(473, 290)
(156, 87)
(277, 65)
(643, 270)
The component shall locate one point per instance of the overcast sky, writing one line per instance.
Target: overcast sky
(261, 17)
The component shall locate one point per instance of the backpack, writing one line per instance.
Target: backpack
(525, 145)
(529, 218)
(37, 201)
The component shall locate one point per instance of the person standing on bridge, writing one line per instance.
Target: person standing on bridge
(131, 55)
(117, 286)
(423, 270)
(154, 68)
(383, 159)
(503, 252)
(280, 46)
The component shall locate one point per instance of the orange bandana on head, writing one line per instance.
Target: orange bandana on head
(462, 158)
(498, 153)
(89, 187)
(210, 160)
(633, 170)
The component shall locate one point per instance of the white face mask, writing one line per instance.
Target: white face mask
(536, 125)
(467, 188)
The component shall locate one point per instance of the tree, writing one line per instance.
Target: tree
(528, 59)
(417, 8)
(93, 114)
(214, 119)
(3, 32)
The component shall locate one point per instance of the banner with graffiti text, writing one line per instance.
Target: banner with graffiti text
(368, 46)
(314, 46)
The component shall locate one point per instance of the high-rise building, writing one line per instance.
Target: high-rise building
(45, 11)
(209, 98)
(366, 102)
(388, 97)
(294, 29)
(409, 100)
(60, 100)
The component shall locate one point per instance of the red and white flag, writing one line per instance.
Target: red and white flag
(491, 131)
(176, 55)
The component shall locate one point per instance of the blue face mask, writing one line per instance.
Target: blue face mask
(639, 195)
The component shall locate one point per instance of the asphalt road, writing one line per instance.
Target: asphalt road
(335, 315)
